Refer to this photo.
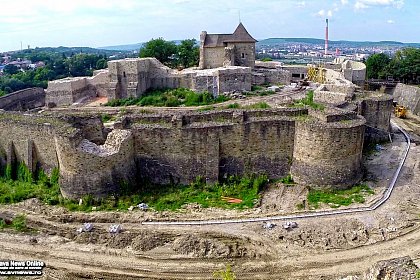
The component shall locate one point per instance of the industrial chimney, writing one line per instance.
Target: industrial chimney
(326, 38)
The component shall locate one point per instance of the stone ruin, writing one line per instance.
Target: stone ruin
(319, 148)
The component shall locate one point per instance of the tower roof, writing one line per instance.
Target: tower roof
(240, 35)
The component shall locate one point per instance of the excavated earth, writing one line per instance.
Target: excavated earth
(349, 246)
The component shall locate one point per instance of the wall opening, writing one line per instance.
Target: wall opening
(243, 55)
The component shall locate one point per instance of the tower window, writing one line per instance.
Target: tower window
(243, 55)
(124, 74)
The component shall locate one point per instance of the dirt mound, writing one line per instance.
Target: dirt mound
(115, 241)
(200, 247)
(146, 241)
(399, 268)
(336, 236)
(119, 241)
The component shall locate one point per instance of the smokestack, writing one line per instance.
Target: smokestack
(326, 38)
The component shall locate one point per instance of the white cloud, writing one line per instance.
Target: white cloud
(344, 2)
(364, 4)
(301, 4)
(390, 21)
(323, 13)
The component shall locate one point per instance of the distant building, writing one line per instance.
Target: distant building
(219, 50)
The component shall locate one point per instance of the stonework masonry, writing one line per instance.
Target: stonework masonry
(23, 100)
(408, 96)
(222, 50)
(178, 147)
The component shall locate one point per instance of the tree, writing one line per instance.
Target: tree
(405, 65)
(188, 53)
(101, 63)
(376, 66)
(10, 69)
(162, 50)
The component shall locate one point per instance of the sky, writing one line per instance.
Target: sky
(96, 23)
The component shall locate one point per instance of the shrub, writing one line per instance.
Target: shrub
(55, 176)
(308, 101)
(19, 223)
(226, 274)
(288, 180)
(259, 105)
(233, 106)
(170, 98)
(9, 172)
(23, 173)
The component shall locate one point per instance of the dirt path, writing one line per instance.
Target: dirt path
(331, 264)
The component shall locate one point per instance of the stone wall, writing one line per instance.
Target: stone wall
(408, 96)
(30, 139)
(296, 72)
(271, 76)
(100, 82)
(377, 111)
(213, 57)
(23, 100)
(244, 54)
(322, 148)
(100, 170)
(328, 154)
(333, 93)
(67, 91)
(214, 145)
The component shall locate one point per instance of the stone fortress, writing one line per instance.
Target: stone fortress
(319, 148)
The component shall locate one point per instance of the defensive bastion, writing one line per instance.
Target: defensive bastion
(319, 148)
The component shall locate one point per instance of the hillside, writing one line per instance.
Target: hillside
(314, 41)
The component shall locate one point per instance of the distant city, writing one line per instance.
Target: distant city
(286, 50)
(308, 50)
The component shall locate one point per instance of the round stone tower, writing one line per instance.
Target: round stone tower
(328, 153)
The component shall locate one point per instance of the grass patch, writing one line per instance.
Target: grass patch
(337, 198)
(206, 108)
(107, 118)
(18, 224)
(300, 206)
(308, 101)
(172, 197)
(288, 180)
(233, 106)
(166, 197)
(170, 98)
(259, 105)
(257, 88)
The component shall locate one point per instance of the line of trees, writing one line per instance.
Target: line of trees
(404, 66)
(184, 55)
(57, 66)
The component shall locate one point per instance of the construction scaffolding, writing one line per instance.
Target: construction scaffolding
(317, 74)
